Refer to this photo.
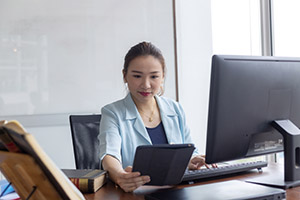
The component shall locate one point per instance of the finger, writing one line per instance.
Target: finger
(198, 161)
(136, 184)
(125, 181)
(140, 179)
(193, 166)
(131, 185)
(128, 169)
(197, 164)
(129, 189)
(129, 175)
(206, 165)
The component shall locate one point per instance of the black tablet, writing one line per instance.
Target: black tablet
(165, 163)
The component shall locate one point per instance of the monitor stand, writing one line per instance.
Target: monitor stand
(291, 140)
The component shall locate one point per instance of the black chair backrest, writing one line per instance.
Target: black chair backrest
(85, 130)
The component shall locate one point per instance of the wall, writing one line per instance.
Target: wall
(74, 42)
(194, 36)
(65, 57)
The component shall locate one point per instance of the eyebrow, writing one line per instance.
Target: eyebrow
(154, 72)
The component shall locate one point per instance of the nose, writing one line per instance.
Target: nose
(146, 83)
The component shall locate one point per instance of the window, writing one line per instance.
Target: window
(286, 34)
(236, 27)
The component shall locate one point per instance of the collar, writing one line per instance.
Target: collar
(131, 111)
(166, 112)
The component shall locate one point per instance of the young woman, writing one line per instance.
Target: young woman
(143, 117)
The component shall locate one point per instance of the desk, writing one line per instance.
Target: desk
(108, 191)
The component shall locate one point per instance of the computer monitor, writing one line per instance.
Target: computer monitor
(254, 109)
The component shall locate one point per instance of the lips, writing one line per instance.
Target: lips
(145, 94)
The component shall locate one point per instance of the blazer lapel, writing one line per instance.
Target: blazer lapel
(132, 114)
(167, 115)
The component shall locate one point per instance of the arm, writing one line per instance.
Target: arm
(125, 178)
(110, 151)
(197, 161)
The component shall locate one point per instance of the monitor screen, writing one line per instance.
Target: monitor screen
(247, 94)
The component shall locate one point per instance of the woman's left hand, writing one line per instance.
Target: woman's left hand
(197, 162)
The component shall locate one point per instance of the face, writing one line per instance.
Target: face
(144, 78)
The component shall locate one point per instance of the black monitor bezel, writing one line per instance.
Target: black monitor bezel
(275, 95)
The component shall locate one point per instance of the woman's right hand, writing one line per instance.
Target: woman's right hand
(129, 181)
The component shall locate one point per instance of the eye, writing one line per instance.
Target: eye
(137, 76)
(154, 76)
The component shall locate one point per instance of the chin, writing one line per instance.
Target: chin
(146, 98)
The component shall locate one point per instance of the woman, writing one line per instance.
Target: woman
(143, 117)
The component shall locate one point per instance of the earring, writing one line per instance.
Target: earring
(161, 92)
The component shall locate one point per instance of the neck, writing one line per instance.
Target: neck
(149, 112)
(146, 106)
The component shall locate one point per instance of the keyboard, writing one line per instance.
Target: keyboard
(222, 169)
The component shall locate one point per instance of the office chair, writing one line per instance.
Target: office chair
(85, 130)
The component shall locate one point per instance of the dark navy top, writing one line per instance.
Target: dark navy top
(158, 134)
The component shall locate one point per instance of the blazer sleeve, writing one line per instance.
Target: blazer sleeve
(109, 137)
(185, 130)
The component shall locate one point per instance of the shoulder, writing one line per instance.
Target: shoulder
(169, 105)
(114, 107)
(167, 101)
(124, 108)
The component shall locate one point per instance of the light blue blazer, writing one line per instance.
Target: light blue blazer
(122, 128)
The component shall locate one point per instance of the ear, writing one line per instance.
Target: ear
(163, 80)
(124, 76)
